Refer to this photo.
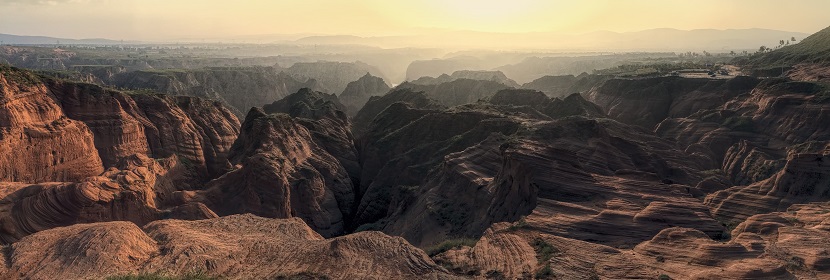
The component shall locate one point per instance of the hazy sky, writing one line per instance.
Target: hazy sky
(175, 19)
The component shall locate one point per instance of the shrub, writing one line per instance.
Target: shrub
(193, 275)
(305, 275)
(544, 251)
(544, 273)
(450, 245)
(520, 224)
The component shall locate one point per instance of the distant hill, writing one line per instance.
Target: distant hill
(813, 49)
(663, 39)
(9, 39)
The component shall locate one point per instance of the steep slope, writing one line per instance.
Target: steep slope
(815, 49)
(39, 143)
(324, 117)
(562, 86)
(358, 92)
(197, 130)
(283, 171)
(458, 91)
(240, 88)
(437, 175)
(492, 76)
(646, 102)
(377, 104)
(604, 184)
(137, 192)
(804, 178)
(233, 247)
(333, 77)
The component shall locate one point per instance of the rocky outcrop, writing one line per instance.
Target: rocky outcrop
(282, 172)
(621, 198)
(562, 86)
(771, 246)
(804, 178)
(333, 77)
(198, 131)
(233, 247)
(135, 192)
(647, 102)
(491, 76)
(324, 117)
(39, 143)
(240, 88)
(457, 92)
(357, 93)
(377, 104)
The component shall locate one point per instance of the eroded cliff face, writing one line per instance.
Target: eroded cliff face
(198, 131)
(715, 184)
(39, 143)
(240, 88)
(151, 146)
(136, 191)
(294, 162)
(357, 93)
(647, 102)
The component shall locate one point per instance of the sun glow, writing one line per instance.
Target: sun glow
(164, 19)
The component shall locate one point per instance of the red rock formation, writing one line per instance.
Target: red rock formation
(126, 194)
(282, 172)
(233, 247)
(779, 245)
(805, 178)
(38, 143)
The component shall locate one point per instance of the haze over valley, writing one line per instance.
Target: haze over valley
(431, 139)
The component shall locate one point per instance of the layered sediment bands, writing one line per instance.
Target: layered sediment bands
(233, 247)
(116, 121)
(404, 156)
(647, 102)
(750, 135)
(60, 147)
(745, 163)
(282, 172)
(594, 180)
(377, 104)
(38, 142)
(804, 178)
(326, 120)
(789, 245)
(126, 194)
(200, 132)
(357, 93)
(81, 251)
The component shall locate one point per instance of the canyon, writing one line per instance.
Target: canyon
(323, 170)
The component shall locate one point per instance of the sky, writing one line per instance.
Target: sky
(183, 19)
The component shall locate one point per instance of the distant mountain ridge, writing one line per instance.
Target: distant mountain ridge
(46, 40)
(664, 39)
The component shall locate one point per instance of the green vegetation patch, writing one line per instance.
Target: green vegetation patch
(19, 76)
(197, 275)
(450, 245)
(544, 251)
(305, 275)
